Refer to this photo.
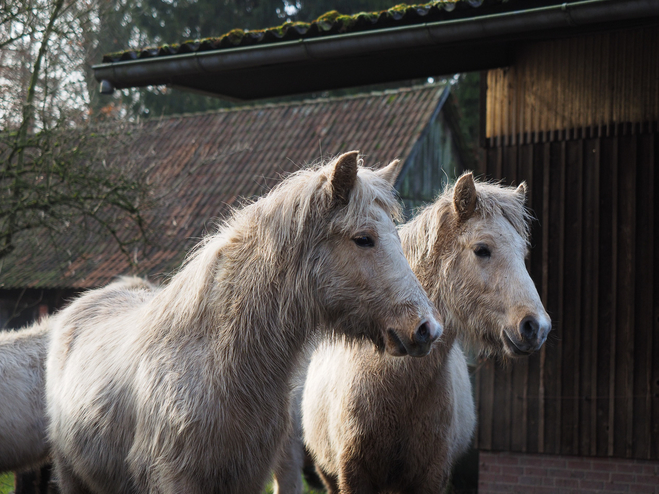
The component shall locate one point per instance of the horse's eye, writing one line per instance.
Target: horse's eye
(482, 251)
(364, 241)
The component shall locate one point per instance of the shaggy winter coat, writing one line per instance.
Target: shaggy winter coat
(22, 417)
(187, 389)
(23, 353)
(379, 424)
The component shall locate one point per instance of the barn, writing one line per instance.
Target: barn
(570, 103)
(203, 164)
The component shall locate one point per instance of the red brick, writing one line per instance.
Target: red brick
(508, 479)
(550, 462)
(648, 479)
(507, 460)
(489, 467)
(629, 467)
(530, 480)
(594, 475)
(616, 487)
(590, 484)
(603, 465)
(570, 474)
(543, 490)
(488, 477)
(485, 488)
(623, 477)
(573, 483)
(579, 464)
(538, 472)
(645, 489)
(511, 470)
(548, 481)
(534, 461)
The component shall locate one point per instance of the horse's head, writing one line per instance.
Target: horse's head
(364, 281)
(487, 291)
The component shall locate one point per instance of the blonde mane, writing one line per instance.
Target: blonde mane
(191, 382)
(278, 227)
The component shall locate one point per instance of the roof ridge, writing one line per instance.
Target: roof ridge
(308, 101)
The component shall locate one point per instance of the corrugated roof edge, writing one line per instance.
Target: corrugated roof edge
(329, 23)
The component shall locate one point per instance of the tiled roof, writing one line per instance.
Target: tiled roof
(331, 23)
(205, 163)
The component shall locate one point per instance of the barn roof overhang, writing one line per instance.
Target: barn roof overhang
(371, 57)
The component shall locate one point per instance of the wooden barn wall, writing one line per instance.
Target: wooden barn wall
(576, 82)
(434, 161)
(594, 387)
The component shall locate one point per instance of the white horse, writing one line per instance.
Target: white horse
(23, 444)
(22, 418)
(187, 389)
(378, 424)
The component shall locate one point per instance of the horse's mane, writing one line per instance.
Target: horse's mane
(274, 229)
(423, 232)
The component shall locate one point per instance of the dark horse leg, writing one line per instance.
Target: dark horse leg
(67, 481)
(330, 481)
(352, 480)
(35, 481)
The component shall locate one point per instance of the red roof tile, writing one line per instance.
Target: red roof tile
(206, 163)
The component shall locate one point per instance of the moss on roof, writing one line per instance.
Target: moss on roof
(330, 23)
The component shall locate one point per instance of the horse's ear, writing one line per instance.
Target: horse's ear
(344, 176)
(522, 190)
(464, 197)
(391, 171)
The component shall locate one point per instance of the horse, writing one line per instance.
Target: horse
(187, 389)
(23, 444)
(22, 421)
(364, 434)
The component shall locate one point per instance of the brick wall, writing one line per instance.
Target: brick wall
(544, 474)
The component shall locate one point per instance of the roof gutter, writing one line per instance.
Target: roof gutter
(162, 70)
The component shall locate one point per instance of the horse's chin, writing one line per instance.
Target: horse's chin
(511, 349)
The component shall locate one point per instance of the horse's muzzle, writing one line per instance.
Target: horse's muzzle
(419, 345)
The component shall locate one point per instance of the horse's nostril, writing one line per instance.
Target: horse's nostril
(528, 328)
(427, 332)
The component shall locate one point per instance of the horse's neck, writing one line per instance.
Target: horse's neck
(428, 269)
(253, 330)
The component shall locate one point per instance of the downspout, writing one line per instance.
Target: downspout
(162, 70)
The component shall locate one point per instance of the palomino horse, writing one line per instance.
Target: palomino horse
(379, 424)
(188, 391)
(22, 388)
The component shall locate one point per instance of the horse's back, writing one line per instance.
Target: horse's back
(22, 421)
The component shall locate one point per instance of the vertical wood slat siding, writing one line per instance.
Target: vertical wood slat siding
(576, 82)
(654, 371)
(594, 389)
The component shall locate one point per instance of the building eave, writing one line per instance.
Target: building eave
(385, 55)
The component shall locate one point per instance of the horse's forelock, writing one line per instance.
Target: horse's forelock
(304, 198)
(369, 190)
(493, 200)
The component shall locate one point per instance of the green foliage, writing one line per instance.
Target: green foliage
(269, 489)
(467, 94)
(6, 483)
